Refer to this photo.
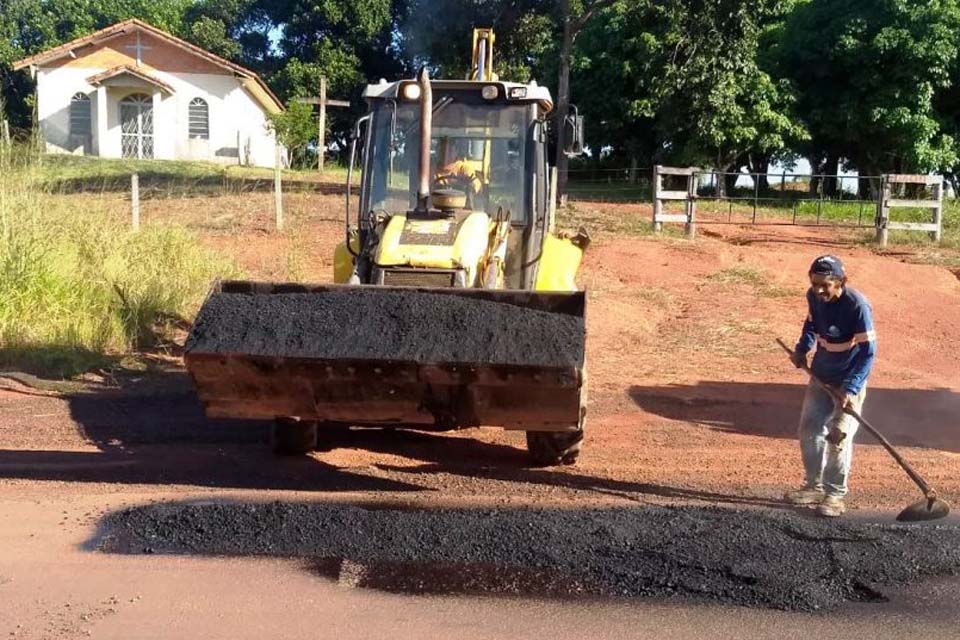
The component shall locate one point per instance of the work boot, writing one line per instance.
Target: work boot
(804, 496)
(831, 507)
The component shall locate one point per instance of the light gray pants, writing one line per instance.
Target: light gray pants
(827, 466)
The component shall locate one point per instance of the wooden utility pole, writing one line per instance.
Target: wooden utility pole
(571, 29)
(563, 101)
(135, 201)
(322, 101)
(322, 129)
(277, 188)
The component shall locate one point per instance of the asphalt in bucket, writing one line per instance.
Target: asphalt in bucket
(751, 558)
(375, 324)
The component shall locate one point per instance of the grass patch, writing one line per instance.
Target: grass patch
(78, 287)
(596, 218)
(740, 275)
(758, 279)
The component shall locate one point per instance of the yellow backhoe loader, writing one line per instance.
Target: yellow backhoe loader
(454, 303)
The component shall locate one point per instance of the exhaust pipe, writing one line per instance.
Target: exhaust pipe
(426, 128)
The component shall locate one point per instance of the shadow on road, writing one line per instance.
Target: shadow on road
(155, 432)
(472, 459)
(910, 417)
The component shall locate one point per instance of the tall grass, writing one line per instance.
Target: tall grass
(78, 286)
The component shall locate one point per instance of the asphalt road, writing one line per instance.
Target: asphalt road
(54, 584)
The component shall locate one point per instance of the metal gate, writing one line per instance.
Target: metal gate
(136, 126)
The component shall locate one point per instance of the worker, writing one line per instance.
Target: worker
(840, 324)
(463, 170)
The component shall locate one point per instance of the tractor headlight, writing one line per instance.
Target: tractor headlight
(518, 93)
(490, 92)
(411, 91)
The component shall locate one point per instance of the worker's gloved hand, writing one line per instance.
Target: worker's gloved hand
(798, 359)
(839, 429)
(836, 437)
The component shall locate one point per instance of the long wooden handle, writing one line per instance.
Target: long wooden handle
(837, 398)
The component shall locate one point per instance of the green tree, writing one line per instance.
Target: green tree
(347, 41)
(614, 75)
(682, 82)
(439, 33)
(867, 73)
(295, 128)
(715, 104)
(239, 30)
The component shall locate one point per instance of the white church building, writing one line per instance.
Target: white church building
(134, 91)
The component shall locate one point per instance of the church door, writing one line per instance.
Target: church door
(136, 126)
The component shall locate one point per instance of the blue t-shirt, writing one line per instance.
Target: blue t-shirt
(846, 343)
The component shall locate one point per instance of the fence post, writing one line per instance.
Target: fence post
(135, 201)
(6, 133)
(883, 212)
(690, 206)
(657, 203)
(322, 124)
(938, 213)
(277, 189)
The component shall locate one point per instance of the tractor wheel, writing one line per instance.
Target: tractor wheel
(292, 436)
(549, 448)
(331, 435)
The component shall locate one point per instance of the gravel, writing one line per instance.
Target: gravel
(750, 558)
(404, 326)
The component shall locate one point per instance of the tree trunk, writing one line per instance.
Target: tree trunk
(730, 182)
(759, 166)
(816, 168)
(563, 100)
(726, 183)
(831, 185)
(867, 188)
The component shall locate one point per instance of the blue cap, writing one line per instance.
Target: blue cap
(828, 266)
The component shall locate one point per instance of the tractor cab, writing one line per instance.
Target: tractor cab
(487, 164)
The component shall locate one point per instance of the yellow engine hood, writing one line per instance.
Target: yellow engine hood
(458, 242)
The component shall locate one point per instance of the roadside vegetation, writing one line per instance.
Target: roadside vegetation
(78, 287)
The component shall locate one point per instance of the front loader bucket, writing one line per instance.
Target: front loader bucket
(402, 356)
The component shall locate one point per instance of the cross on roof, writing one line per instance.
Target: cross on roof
(139, 48)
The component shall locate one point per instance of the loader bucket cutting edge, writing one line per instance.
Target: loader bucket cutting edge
(401, 356)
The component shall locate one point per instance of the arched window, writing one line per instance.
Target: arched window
(80, 115)
(199, 114)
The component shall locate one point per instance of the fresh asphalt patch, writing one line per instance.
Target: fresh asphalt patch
(751, 557)
(391, 325)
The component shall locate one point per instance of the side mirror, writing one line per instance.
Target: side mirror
(573, 133)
